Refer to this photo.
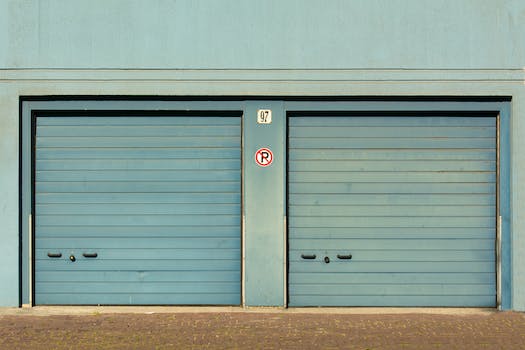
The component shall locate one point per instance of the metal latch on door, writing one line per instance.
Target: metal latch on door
(326, 258)
(72, 256)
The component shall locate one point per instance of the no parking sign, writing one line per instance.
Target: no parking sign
(263, 157)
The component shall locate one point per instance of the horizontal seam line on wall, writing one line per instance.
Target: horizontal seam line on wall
(412, 69)
(516, 80)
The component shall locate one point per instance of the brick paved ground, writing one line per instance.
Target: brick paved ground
(276, 330)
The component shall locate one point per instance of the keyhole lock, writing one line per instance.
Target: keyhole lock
(326, 259)
(72, 258)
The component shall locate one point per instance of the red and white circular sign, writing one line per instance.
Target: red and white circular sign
(263, 157)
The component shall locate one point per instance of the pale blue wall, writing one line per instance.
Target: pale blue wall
(8, 203)
(4, 38)
(343, 47)
(264, 34)
(264, 194)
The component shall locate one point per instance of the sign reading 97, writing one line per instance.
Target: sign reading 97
(263, 157)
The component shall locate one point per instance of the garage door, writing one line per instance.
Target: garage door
(392, 210)
(137, 209)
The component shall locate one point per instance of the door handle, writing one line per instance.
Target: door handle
(89, 255)
(308, 257)
(344, 257)
(54, 255)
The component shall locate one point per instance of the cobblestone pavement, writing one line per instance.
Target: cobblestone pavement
(264, 330)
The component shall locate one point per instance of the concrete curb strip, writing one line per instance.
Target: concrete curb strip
(90, 310)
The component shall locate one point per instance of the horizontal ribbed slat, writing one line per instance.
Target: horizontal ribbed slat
(396, 278)
(395, 143)
(142, 275)
(139, 164)
(435, 300)
(394, 177)
(106, 297)
(116, 153)
(145, 198)
(136, 231)
(391, 199)
(137, 209)
(148, 121)
(156, 198)
(423, 267)
(136, 242)
(448, 120)
(393, 154)
(144, 131)
(137, 142)
(386, 165)
(412, 199)
(416, 243)
(389, 210)
(132, 264)
(151, 287)
(395, 131)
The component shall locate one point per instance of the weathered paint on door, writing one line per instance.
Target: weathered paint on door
(392, 210)
(138, 209)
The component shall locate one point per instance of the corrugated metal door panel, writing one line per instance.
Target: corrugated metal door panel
(156, 198)
(411, 199)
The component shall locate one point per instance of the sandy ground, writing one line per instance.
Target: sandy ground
(223, 328)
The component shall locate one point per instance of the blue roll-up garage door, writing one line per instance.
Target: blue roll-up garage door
(392, 210)
(137, 209)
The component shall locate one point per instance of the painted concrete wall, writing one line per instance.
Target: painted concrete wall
(289, 48)
(264, 193)
(264, 34)
(9, 268)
